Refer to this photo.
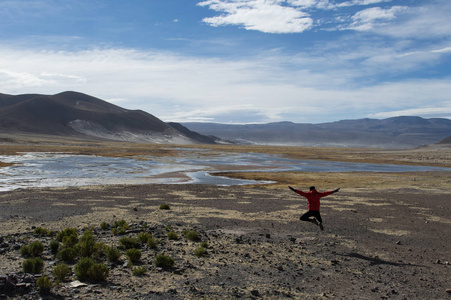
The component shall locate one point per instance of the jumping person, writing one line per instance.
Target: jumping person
(313, 205)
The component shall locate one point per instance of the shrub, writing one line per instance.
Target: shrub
(33, 265)
(44, 284)
(165, 206)
(129, 243)
(98, 272)
(121, 226)
(139, 271)
(68, 236)
(200, 251)
(152, 243)
(25, 250)
(82, 267)
(61, 272)
(54, 246)
(164, 261)
(104, 225)
(36, 248)
(67, 254)
(87, 269)
(133, 254)
(172, 235)
(115, 231)
(112, 254)
(191, 235)
(144, 237)
(204, 244)
(40, 231)
(33, 249)
(86, 244)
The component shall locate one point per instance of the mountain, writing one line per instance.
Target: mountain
(395, 133)
(77, 114)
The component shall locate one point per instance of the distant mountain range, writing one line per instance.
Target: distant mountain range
(79, 115)
(397, 132)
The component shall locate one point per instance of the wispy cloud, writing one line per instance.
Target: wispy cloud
(181, 88)
(367, 19)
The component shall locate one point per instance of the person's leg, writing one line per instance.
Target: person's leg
(317, 215)
(306, 217)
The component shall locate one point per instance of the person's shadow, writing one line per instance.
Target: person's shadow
(377, 261)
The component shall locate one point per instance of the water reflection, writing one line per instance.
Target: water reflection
(54, 169)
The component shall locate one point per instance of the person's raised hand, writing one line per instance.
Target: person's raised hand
(291, 188)
(334, 191)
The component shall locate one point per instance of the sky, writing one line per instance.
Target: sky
(235, 61)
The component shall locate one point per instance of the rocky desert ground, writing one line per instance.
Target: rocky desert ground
(386, 235)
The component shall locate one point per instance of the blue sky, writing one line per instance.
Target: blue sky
(235, 61)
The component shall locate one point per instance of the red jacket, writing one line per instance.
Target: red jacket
(313, 198)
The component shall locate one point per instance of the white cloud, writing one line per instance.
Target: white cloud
(368, 18)
(179, 88)
(267, 16)
(428, 21)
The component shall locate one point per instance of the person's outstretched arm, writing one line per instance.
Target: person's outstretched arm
(334, 191)
(294, 190)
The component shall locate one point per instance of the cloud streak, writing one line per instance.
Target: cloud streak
(180, 88)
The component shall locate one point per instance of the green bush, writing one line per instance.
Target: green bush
(133, 255)
(164, 261)
(172, 235)
(104, 225)
(152, 243)
(33, 249)
(144, 237)
(86, 244)
(98, 273)
(68, 236)
(87, 269)
(67, 254)
(40, 231)
(54, 246)
(61, 272)
(121, 227)
(44, 284)
(112, 254)
(33, 265)
(204, 244)
(200, 251)
(165, 206)
(139, 271)
(129, 243)
(191, 235)
(115, 231)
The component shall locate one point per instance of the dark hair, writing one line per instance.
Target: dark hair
(312, 188)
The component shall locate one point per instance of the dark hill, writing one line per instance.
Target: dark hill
(77, 114)
(397, 132)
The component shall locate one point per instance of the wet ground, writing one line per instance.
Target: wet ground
(36, 169)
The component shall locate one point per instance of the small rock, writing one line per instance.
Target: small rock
(255, 293)
(448, 291)
(398, 243)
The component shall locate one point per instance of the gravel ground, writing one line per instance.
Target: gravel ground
(385, 244)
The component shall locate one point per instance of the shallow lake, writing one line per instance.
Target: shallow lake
(58, 170)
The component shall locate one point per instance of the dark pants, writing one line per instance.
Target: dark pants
(311, 213)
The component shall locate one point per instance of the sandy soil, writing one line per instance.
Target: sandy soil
(386, 235)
